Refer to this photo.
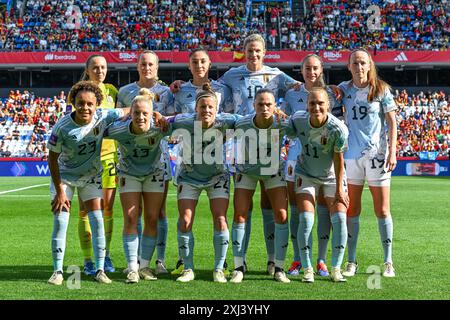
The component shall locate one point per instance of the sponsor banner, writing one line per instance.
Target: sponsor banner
(404, 168)
(292, 57)
(24, 169)
(422, 168)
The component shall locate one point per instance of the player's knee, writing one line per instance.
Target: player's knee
(280, 216)
(383, 213)
(240, 218)
(220, 223)
(185, 225)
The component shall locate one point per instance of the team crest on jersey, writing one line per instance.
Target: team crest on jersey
(122, 182)
(156, 98)
(299, 182)
(323, 140)
(151, 141)
(110, 99)
(239, 177)
(266, 78)
(290, 170)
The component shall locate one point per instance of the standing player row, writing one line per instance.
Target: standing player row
(246, 81)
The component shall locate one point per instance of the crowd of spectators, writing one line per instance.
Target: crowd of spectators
(344, 24)
(423, 123)
(115, 25)
(25, 122)
(94, 25)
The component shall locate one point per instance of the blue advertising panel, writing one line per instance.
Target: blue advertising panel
(404, 168)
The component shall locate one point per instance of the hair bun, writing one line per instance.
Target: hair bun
(207, 86)
(146, 92)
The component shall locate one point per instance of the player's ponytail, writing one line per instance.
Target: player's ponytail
(206, 92)
(144, 95)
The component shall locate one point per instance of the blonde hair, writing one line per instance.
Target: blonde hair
(84, 75)
(254, 37)
(377, 86)
(145, 95)
(320, 82)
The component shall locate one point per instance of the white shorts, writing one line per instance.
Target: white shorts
(220, 189)
(165, 160)
(88, 188)
(165, 163)
(151, 183)
(311, 186)
(372, 168)
(289, 170)
(243, 181)
(295, 148)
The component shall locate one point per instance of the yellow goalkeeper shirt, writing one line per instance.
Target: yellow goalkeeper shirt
(109, 146)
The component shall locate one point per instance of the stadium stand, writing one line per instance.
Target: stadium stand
(403, 25)
(25, 122)
(50, 25)
(423, 123)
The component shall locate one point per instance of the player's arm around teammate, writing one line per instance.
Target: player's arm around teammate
(141, 179)
(195, 177)
(249, 174)
(74, 163)
(96, 70)
(296, 100)
(371, 156)
(244, 81)
(147, 67)
(321, 165)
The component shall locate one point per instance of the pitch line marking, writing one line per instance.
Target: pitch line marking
(25, 188)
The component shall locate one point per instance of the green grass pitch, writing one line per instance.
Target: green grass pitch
(420, 211)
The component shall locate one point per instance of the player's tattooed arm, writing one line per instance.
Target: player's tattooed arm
(60, 202)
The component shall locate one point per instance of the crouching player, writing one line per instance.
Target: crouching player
(74, 162)
(321, 164)
(141, 176)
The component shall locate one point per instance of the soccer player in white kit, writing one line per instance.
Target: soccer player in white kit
(258, 161)
(195, 177)
(295, 100)
(320, 165)
(163, 102)
(141, 179)
(244, 82)
(370, 117)
(74, 162)
(184, 100)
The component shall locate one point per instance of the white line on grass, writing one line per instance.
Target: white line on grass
(20, 189)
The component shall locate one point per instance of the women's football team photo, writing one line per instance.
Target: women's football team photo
(335, 136)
